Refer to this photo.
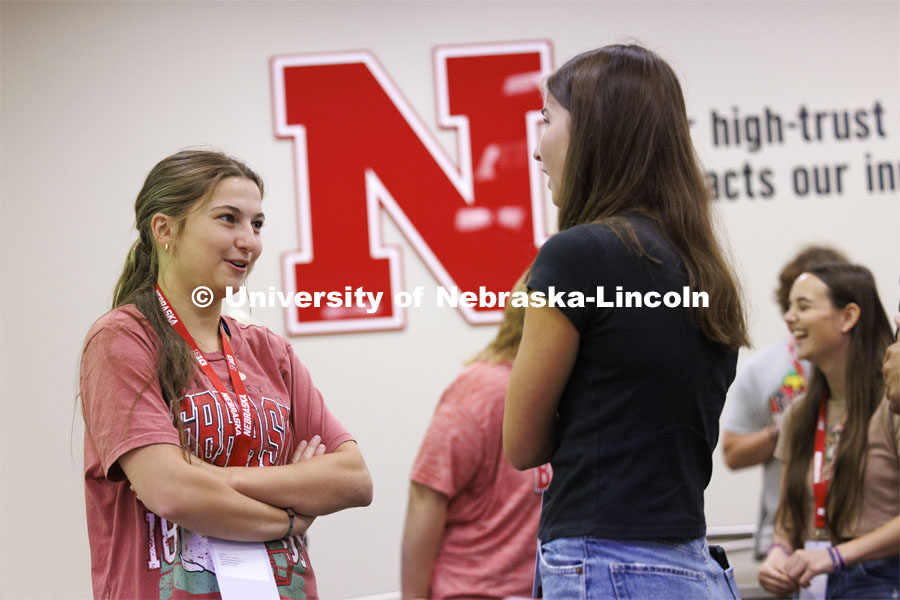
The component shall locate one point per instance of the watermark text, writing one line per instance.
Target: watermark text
(452, 297)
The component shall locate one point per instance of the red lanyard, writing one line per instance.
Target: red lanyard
(820, 484)
(241, 421)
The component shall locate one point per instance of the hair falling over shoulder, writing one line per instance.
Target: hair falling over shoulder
(505, 344)
(864, 385)
(173, 187)
(630, 150)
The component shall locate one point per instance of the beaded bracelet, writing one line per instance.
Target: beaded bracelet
(840, 558)
(786, 550)
(290, 514)
(834, 561)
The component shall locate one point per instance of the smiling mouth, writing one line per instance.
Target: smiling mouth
(240, 264)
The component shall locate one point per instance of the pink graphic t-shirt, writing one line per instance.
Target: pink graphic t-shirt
(490, 537)
(135, 553)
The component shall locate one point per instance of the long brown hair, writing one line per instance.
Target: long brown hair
(505, 344)
(630, 150)
(869, 338)
(173, 187)
(808, 257)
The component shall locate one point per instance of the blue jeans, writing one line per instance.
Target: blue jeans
(872, 580)
(589, 568)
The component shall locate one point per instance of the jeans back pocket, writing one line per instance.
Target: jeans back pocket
(562, 568)
(636, 580)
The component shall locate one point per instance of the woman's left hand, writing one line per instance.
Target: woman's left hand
(803, 565)
(306, 450)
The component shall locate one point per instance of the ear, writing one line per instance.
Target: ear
(163, 229)
(849, 316)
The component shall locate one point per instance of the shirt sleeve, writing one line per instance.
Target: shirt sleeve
(451, 453)
(310, 416)
(120, 394)
(556, 269)
(745, 405)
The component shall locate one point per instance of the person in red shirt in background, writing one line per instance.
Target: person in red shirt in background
(472, 518)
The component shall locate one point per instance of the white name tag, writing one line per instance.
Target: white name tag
(243, 570)
(818, 584)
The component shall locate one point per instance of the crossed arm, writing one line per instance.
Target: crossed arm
(242, 504)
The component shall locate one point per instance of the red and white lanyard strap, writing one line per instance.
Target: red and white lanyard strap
(820, 484)
(241, 420)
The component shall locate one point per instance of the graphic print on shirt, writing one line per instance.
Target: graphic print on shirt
(168, 543)
(192, 570)
(288, 564)
(205, 419)
(542, 476)
(186, 565)
(183, 556)
(792, 385)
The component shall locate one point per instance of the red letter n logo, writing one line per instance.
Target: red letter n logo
(360, 148)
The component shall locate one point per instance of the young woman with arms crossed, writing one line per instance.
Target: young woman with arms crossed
(841, 518)
(182, 405)
(624, 402)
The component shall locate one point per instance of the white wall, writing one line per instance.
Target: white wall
(93, 94)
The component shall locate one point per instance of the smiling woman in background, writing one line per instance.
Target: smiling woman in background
(840, 505)
(183, 406)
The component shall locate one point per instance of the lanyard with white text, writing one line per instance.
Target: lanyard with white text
(820, 484)
(241, 421)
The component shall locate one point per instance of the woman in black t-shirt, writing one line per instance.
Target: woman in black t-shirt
(619, 381)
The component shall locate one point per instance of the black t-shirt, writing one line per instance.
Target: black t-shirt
(639, 416)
